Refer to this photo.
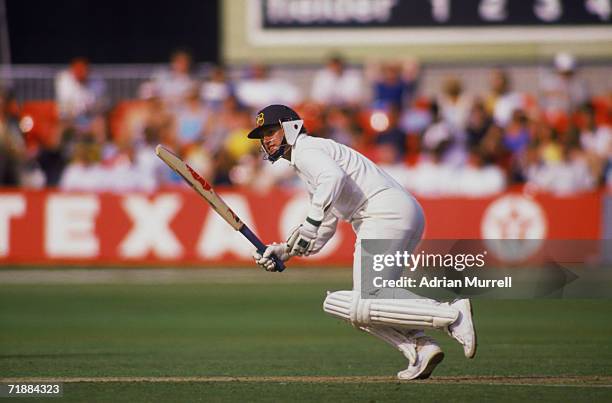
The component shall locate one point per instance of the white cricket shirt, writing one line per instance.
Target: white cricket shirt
(338, 178)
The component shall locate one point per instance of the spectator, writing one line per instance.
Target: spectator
(223, 165)
(502, 101)
(152, 170)
(124, 174)
(569, 175)
(394, 84)
(478, 179)
(389, 159)
(223, 122)
(174, 84)
(393, 134)
(339, 125)
(417, 117)
(84, 172)
(596, 140)
(563, 92)
(491, 149)
(128, 170)
(236, 143)
(52, 159)
(278, 174)
(200, 158)
(81, 101)
(455, 105)
(337, 85)
(470, 146)
(151, 116)
(259, 89)
(441, 131)
(550, 149)
(432, 176)
(12, 144)
(478, 124)
(438, 135)
(192, 119)
(216, 88)
(247, 171)
(517, 135)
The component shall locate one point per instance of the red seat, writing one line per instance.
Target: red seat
(603, 109)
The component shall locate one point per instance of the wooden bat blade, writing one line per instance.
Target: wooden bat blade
(200, 185)
(204, 189)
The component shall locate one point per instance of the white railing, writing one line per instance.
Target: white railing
(123, 81)
(37, 81)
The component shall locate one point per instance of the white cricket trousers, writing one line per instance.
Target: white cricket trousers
(391, 214)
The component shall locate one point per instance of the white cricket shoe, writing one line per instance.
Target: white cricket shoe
(463, 329)
(428, 356)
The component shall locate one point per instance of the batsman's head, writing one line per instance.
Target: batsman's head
(277, 127)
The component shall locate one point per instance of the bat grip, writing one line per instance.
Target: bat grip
(261, 247)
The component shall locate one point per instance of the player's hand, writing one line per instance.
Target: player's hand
(301, 241)
(265, 260)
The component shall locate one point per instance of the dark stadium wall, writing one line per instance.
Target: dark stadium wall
(111, 31)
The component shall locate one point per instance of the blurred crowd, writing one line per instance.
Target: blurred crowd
(556, 138)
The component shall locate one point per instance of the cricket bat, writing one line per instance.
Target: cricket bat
(204, 189)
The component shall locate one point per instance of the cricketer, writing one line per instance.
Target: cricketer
(345, 185)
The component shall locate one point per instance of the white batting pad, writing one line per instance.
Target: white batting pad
(338, 304)
(406, 313)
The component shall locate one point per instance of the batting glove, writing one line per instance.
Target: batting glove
(301, 241)
(265, 260)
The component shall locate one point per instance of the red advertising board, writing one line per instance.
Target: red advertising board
(177, 227)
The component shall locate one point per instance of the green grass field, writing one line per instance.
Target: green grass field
(269, 340)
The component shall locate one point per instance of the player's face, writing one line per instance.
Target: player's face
(272, 139)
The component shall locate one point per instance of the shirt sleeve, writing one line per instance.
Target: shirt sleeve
(62, 94)
(326, 231)
(326, 176)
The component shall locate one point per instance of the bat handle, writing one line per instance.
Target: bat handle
(261, 247)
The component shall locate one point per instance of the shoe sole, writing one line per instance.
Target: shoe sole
(431, 365)
(473, 354)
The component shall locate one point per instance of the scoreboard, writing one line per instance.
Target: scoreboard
(305, 30)
(283, 14)
(428, 21)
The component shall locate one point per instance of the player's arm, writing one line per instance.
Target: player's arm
(320, 224)
(324, 234)
(281, 250)
(329, 179)
(266, 261)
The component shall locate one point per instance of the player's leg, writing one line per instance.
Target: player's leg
(406, 314)
(400, 313)
(422, 352)
(403, 225)
(429, 355)
(394, 319)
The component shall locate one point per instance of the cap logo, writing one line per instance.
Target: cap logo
(259, 121)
